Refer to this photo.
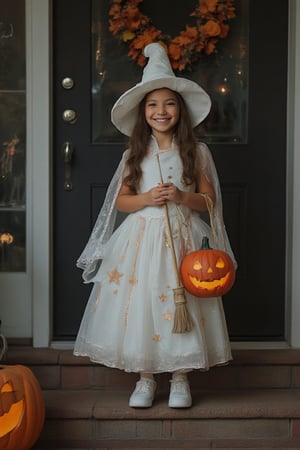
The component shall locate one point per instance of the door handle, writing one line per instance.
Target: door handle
(68, 151)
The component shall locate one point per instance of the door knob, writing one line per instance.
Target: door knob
(70, 116)
(68, 151)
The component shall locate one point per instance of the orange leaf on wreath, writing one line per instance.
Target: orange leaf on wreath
(146, 38)
(190, 32)
(208, 6)
(175, 51)
(224, 30)
(127, 36)
(210, 46)
(211, 28)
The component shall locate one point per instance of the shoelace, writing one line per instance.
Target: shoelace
(180, 386)
(144, 386)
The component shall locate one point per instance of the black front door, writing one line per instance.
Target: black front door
(86, 151)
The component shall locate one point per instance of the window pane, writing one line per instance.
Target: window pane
(224, 74)
(12, 136)
(12, 241)
(12, 150)
(12, 44)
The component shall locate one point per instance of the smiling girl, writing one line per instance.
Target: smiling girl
(127, 323)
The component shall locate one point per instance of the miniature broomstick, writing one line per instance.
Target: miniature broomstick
(182, 320)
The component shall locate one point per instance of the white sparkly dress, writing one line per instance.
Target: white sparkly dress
(128, 320)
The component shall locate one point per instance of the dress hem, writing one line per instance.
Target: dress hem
(219, 363)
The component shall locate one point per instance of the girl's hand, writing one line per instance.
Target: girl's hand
(171, 193)
(129, 202)
(164, 192)
(156, 196)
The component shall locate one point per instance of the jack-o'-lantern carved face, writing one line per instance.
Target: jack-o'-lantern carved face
(11, 411)
(207, 272)
(22, 409)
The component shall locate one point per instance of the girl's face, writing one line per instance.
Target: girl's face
(162, 111)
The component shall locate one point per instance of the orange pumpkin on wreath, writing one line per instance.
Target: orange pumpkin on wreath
(207, 272)
(22, 409)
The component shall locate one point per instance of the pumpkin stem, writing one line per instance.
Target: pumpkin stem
(205, 244)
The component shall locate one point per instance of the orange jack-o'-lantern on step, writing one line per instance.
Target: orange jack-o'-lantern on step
(207, 272)
(22, 408)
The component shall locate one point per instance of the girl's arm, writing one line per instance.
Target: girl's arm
(193, 200)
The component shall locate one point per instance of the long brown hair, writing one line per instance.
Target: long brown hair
(139, 143)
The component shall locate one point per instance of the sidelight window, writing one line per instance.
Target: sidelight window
(12, 137)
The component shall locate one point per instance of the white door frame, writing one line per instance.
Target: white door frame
(39, 158)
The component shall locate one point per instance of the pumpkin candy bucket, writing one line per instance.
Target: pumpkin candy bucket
(22, 409)
(207, 272)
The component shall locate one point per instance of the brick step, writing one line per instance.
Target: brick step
(113, 404)
(253, 403)
(59, 369)
(255, 418)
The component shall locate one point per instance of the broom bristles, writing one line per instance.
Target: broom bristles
(182, 319)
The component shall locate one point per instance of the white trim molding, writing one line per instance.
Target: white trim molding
(294, 175)
(39, 145)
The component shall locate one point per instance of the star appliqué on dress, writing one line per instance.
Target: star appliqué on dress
(163, 298)
(133, 280)
(114, 276)
(167, 315)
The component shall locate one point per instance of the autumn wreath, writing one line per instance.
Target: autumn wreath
(211, 24)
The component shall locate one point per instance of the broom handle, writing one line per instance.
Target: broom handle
(167, 218)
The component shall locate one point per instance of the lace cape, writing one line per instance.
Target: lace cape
(94, 250)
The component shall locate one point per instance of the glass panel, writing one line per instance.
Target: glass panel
(224, 74)
(12, 241)
(12, 136)
(12, 44)
(12, 150)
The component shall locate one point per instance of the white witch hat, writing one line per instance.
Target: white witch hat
(158, 74)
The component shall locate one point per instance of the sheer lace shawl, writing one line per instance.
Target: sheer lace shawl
(208, 169)
(94, 250)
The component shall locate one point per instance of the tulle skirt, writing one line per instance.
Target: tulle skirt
(129, 317)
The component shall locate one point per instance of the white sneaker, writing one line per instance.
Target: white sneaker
(142, 396)
(180, 394)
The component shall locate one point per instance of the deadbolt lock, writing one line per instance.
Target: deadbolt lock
(67, 83)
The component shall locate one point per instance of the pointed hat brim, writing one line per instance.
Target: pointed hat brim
(158, 74)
